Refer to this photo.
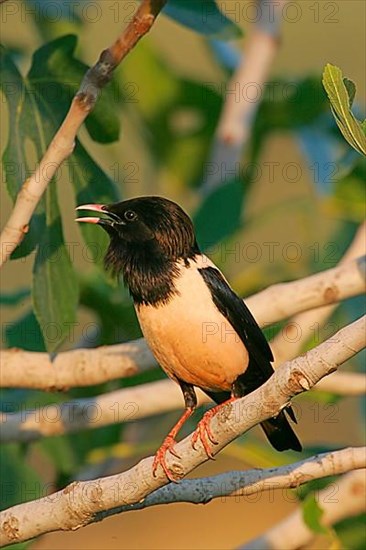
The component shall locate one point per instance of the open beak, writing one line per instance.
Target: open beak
(109, 220)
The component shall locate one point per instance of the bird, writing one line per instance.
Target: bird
(199, 330)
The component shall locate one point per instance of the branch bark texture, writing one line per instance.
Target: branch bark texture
(83, 367)
(242, 483)
(79, 503)
(308, 323)
(239, 110)
(125, 405)
(63, 142)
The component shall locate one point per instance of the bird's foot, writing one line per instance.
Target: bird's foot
(204, 433)
(203, 430)
(160, 457)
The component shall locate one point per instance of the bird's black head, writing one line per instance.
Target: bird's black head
(147, 237)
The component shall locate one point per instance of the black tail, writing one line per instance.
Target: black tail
(277, 429)
(280, 434)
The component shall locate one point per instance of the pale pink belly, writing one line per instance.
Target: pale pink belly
(192, 341)
(212, 361)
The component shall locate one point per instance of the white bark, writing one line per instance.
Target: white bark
(248, 482)
(125, 405)
(78, 504)
(308, 324)
(84, 367)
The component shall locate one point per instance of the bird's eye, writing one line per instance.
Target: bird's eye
(130, 215)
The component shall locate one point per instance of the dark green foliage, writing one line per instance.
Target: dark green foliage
(37, 105)
(176, 116)
(203, 16)
(219, 214)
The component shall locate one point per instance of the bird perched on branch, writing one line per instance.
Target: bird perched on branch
(199, 330)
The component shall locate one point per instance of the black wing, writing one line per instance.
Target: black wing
(278, 430)
(242, 321)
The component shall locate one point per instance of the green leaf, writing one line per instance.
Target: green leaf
(14, 297)
(19, 482)
(37, 105)
(288, 104)
(91, 185)
(180, 114)
(312, 514)
(313, 486)
(351, 89)
(55, 288)
(24, 124)
(56, 75)
(219, 214)
(203, 16)
(24, 333)
(90, 182)
(351, 532)
(341, 94)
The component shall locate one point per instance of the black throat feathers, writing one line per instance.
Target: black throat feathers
(147, 272)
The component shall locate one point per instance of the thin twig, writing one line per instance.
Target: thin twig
(62, 145)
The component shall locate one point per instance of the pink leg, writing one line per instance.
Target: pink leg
(168, 445)
(203, 430)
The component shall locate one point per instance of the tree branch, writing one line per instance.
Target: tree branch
(293, 533)
(343, 383)
(79, 367)
(248, 482)
(308, 322)
(283, 300)
(62, 144)
(83, 367)
(238, 113)
(125, 405)
(78, 504)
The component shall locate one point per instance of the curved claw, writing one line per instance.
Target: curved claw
(159, 460)
(204, 433)
(203, 430)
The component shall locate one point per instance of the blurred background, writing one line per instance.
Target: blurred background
(290, 208)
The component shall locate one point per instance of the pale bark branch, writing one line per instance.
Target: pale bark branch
(62, 145)
(309, 323)
(293, 533)
(79, 367)
(83, 367)
(249, 79)
(343, 383)
(242, 483)
(282, 300)
(77, 505)
(125, 405)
